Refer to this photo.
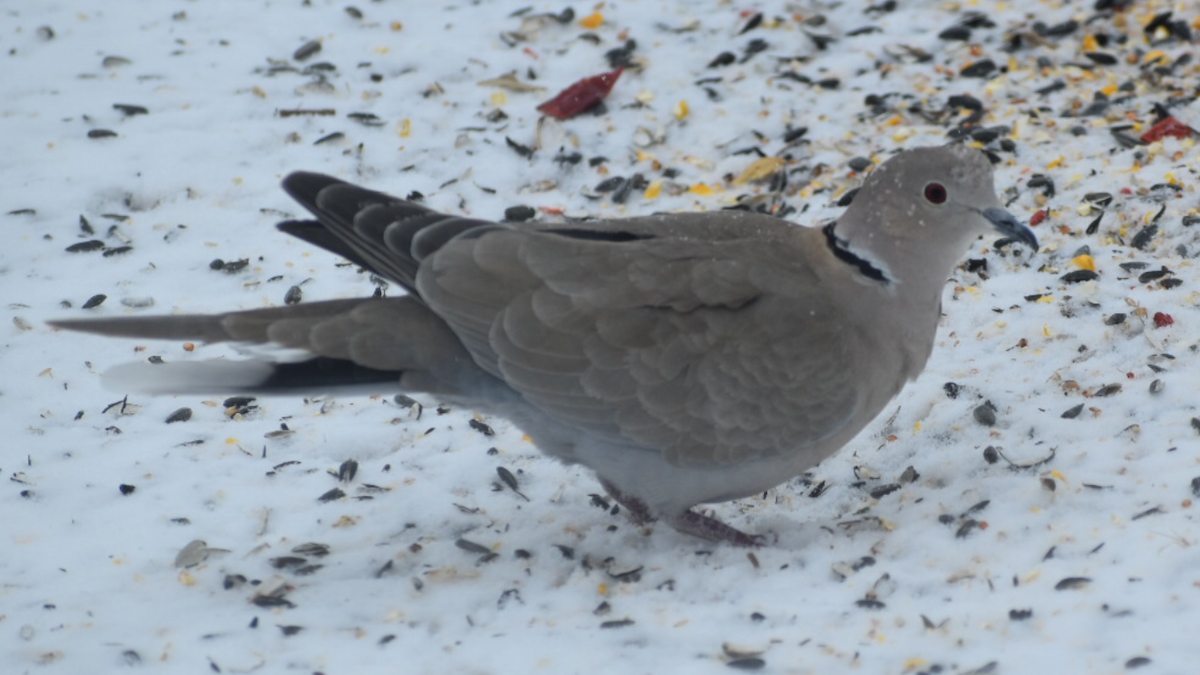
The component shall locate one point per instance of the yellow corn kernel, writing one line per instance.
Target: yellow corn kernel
(592, 21)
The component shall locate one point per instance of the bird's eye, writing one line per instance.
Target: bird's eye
(935, 193)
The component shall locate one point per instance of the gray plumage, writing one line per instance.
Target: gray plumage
(685, 358)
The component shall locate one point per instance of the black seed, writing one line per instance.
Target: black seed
(126, 489)
(1071, 583)
(1115, 319)
(1077, 276)
(722, 59)
(610, 184)
(86, 246)
(366, 119)
(347, 470)
(869, 603)
(95, 301)
(307, 50)
(1095, 224)
(1019, 614)
(1153, 275)
(1043, 183)
(1156, 386)
(848, 197)
(522, 150)
(1108, 390)
(329, 138)
(951, 389)
(509, 479)
(293, 296)
(472, 547)
(481, 428)
(285, 561)
(1143, 237)
(754, 22)
(519, 214)
(131, 110)
(981, 68)
(859, 164)
(290, 630)
(1058, 29)
(965, 101)
(956, 33)
(991, 455)
(748, 663)
(573, 158)
(1137, 661)
(619, 623)
(985, 414)
(181, 415)
(1057, 85)
(1073, 412)
(334, 494)
(272, 601)
(101, 133)
(1101, 58)
(793, 135)
(1148, 512)
(117, 251)
(621, 57)
(986, 135)
(884, 490)
(965, 529)
(1170, 283)
(1131, 266)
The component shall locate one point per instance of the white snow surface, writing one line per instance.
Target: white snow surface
(1079, 557)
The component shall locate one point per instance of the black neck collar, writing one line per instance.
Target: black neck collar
(838, 247)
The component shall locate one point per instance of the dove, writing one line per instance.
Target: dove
(685, 358)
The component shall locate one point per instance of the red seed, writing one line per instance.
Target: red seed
(1038, 218)
(580, 96)
(1167, 126)
(1162, 319)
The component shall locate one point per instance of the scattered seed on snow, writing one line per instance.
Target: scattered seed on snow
(1071, 583)
(181, 415)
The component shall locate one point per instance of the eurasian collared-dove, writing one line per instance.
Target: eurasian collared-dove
(685, 358)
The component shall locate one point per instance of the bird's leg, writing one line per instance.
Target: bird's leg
(687, 522)
(707, 527)
(638, 511)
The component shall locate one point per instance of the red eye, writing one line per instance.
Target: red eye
(935, 193)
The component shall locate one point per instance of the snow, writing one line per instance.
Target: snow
(935, 576)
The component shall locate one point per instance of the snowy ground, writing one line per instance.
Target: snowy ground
(1073, 551)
